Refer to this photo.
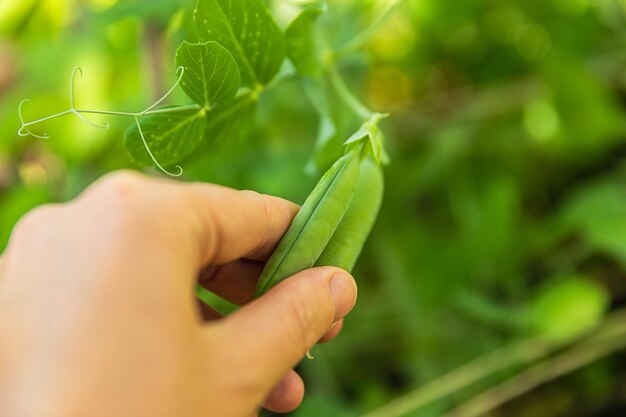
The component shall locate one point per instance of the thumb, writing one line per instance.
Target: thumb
(272, 334)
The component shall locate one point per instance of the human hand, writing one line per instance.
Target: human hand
(98, 315)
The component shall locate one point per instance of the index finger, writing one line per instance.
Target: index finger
(209, 223)
(237, 224)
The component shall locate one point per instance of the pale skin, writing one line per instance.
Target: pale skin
(98, 316)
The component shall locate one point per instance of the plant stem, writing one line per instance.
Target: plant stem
(477, 370)
(504, 358)
(216, 302)
(346, 95)
(360, 40)
(543, 372)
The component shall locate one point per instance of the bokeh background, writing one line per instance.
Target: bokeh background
(495, 280)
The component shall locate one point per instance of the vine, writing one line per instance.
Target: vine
(25, 131)
(225, 74)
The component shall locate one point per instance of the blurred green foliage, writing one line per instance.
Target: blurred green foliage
(505, 213)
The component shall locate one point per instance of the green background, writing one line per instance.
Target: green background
(505, 214)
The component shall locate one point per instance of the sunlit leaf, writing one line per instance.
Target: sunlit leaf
(248, 31)
(211, 74)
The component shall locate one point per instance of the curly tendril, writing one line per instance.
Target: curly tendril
(145, 144)
(25, 131)
(78, 71)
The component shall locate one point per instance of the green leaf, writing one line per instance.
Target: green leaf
(597, 212)
(229, 123)
(248, 31)
(370, 130)
(170, 136)
(302, 45)
(567, 309)
(211, 74)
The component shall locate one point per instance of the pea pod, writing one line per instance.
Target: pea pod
(347, 242)
(315, 224)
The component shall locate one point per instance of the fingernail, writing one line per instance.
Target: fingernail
(343, 290)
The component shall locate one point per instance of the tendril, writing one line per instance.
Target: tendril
(180, 70)
(24, 130)
(78, 71)
(145, 144)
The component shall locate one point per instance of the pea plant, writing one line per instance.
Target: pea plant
(240, 54)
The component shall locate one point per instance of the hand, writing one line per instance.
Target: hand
(98, 315)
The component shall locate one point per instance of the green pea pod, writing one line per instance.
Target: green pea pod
(315, 224)
(346, 245)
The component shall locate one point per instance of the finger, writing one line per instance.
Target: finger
(287, 395)
(278, 328)
(236, 224)
(2, 267)
(235, 282)
(208, 223)
(333, 333)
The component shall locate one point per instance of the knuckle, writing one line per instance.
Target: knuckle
(37, 217)
(119, 186)
(32, 223)
(118, 197)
